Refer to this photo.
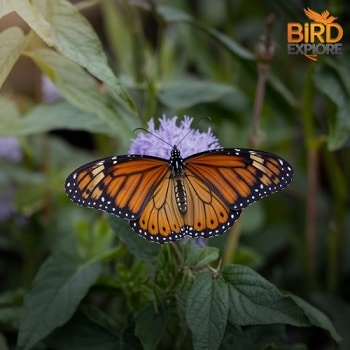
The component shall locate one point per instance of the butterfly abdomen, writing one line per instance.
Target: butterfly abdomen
(177, 166)
(181, 196)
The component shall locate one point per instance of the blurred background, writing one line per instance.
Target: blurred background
(197, 58)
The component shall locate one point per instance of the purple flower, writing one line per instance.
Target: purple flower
(189, 141)
(49, 91)
(10, 149)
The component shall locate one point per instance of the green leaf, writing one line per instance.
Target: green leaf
(138, 246)
(5, 7)
(171, 14)
(32, 16)
(189, 93)
(12, 44)
(248, 256)
(199, 257)
(9, 316)
(56, 292)
(332, 79)
(339, 133)
(317, 318)
(9, 115)
(79, 88)
(255, 301)
(206, 256)
(61, 25)
(118, 35)
(227, 42)
(339, 312)
(207, 311)
(82, 332)
(58, 115)
(150, 325)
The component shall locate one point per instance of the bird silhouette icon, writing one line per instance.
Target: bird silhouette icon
(322, 17)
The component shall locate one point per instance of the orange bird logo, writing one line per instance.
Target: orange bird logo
(322, 17)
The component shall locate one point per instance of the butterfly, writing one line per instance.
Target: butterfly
(167, 199)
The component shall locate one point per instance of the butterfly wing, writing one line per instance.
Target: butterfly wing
(218, 184)
(240, 177)
(160, 221)
(119, 185)
(207, 215)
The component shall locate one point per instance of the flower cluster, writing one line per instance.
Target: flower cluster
(189, 141)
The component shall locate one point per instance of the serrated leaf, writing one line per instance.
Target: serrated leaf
(138, 246)
(255, 301)
(12, 44)
(56, 292)
(316, 317)
(207, 311)
(150, 325)
(189, 93)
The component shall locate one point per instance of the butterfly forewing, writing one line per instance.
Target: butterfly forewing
(240, 176)
(119, 185)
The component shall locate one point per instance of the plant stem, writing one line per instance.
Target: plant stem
(311, 207)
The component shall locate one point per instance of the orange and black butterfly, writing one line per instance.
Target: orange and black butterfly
(164, 200)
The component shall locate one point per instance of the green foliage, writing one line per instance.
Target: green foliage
(56, 292)
(72, 278)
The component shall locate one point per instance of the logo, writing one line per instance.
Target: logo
(320, 37)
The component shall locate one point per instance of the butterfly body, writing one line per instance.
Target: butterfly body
(165, 200)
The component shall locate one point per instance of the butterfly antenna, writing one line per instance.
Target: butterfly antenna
(191, 130)
(157, 137)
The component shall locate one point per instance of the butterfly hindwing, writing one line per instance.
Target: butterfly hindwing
(206, 215)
